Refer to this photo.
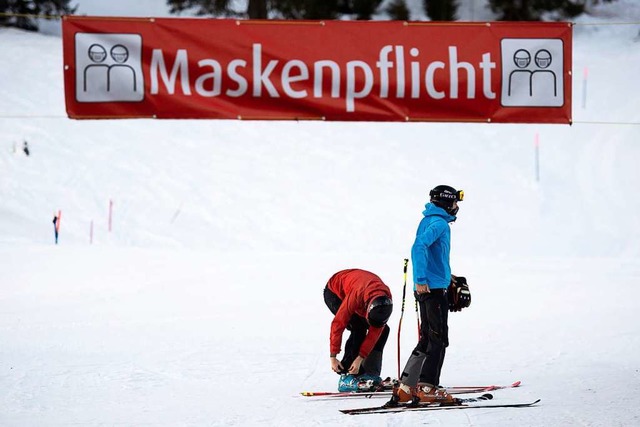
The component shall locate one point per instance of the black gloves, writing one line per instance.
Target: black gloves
(458, 294)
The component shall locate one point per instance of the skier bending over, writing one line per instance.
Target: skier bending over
(362, 304)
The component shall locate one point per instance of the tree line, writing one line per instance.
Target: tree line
(20, 13)
(435, 10)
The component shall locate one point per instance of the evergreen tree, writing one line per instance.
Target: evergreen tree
(24, 11)
(398, 10)
(307, 9)
(364, 9)
(257, 9)
(324, 9)
(289, 9)
(441, 10)
(532, 10)
(201, 7)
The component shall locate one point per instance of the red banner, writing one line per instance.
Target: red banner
(170, 68)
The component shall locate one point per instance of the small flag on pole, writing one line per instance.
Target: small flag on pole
(584, 87)
(537, 158)
(110, 213)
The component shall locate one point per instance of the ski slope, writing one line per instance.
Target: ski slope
(203, 305)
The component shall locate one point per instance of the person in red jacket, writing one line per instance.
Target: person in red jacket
(362, 304)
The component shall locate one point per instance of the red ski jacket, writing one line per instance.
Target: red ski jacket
(356, 288)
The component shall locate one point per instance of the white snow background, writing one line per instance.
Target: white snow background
(203, 306)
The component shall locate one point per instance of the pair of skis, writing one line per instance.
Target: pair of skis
(468, 403)
(387, 392)
(464, 403)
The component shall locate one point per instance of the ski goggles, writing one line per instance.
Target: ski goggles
(458, 196)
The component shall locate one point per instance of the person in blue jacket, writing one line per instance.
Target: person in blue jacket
(431, 275)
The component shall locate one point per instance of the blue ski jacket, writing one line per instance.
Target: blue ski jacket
(431, 249)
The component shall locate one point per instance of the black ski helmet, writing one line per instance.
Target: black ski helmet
(445, 196)
(379, 311)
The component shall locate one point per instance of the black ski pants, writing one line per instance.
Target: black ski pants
(358, 327)
(425, 363)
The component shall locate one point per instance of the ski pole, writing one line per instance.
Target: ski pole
(404, 293)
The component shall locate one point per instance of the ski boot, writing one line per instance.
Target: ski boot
(401, 393)
(347, 382)
(427, 393)
(367, 382)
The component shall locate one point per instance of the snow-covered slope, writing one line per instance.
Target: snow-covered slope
(206, 294)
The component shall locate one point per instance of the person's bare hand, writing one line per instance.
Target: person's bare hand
(422, 289)
(336, 366)
(355, 366)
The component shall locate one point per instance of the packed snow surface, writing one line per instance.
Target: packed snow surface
(203, 304)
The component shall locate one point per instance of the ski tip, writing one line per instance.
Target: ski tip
(487, 396)
(498, 387)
